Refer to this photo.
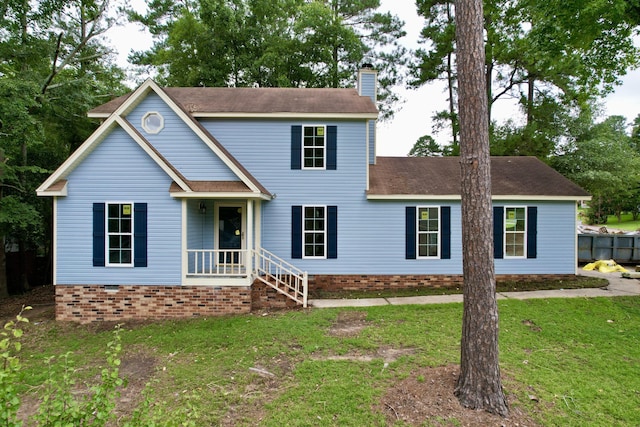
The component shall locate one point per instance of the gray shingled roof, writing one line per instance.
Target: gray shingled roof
(440, 176)
(213, 100)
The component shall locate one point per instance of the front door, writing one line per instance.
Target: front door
(230, 233)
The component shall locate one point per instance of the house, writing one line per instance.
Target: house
(209, 201)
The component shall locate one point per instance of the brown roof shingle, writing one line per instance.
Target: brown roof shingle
(440, 176)
(216, 100)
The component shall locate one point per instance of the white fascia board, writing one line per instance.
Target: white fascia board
(458, 197)
(221, 195)
(80, 154)
(288, 115)
(412, 197)
(127, 128)
(543, 198)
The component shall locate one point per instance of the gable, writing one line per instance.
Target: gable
(179, 145)
(158, 98)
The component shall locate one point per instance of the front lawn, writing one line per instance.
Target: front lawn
(565, 362)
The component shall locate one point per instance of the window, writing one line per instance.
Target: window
(314, 232)
(120, 234)
(152, 122)
(515, 229)
(515, 232)
(428, 232)
(313, 147)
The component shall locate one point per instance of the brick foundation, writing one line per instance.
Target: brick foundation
(90, 303)
(334, 283)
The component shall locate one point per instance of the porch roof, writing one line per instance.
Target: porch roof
(216, 189)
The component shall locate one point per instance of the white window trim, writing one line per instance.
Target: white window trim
(152, 131)
(107, 234)
(304, 232)
(524, 233)
(418, 232)
(324, 148)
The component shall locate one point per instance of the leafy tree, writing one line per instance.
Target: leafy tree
(53, 67)
(425, 146)
(273, 43)
(603, 161)
(479, 385)
(538, 50)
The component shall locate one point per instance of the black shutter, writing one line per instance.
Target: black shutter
(296, 147)
(332, 147)
(98, 235)
(445, 227)
(140, 235)
(532, 232)
(332, 232)
(498, 232)
(296, 231)
(410, 232)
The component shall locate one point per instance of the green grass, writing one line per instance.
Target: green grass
(626, 222)
(579, 357)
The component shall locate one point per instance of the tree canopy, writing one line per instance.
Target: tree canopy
(545, 54)
(273, 43)
(54, 66)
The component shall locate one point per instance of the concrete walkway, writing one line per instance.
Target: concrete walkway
(618, 286)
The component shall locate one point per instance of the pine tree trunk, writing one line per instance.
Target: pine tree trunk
(479, 385)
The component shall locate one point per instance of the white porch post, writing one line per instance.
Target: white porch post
(185, 256)
(250, 246)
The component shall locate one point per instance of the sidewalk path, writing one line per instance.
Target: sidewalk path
(618, 286)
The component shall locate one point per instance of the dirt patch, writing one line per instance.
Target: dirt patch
(348, 324)
(136, 369)
(40, 299)
(426, 398)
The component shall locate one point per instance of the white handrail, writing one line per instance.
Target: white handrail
(281, 275)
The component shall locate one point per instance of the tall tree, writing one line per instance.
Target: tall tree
(273, 43)
(53, 67)
(479, 385)
(603, 160)
(537, 49)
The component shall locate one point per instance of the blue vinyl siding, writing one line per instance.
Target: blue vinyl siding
(371, 234)
(118, 170)
(556, 241)
(179, 145)
(372, 142)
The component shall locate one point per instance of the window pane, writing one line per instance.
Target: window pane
(114, 257)
(126, 257)
(114, 211)
(113, 226)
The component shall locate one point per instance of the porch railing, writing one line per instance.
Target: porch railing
(281, 275)
(217, 262)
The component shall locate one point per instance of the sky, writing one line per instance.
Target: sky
(413, 118)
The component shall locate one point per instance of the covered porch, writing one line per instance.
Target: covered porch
(221, 247)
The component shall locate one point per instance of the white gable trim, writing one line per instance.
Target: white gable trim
(189, 121)
(117, 118)
(91, 143)
(78, 156)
